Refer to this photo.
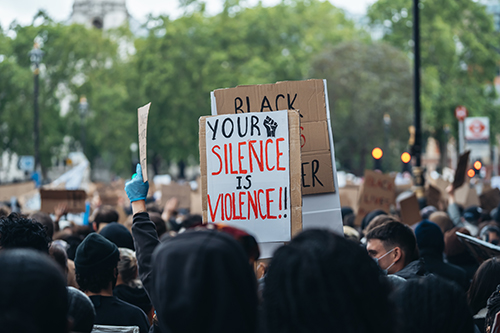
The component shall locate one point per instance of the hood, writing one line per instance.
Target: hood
(133, 295)
(202, 282)
(413, 270)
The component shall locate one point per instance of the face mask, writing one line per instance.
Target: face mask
(377, 261)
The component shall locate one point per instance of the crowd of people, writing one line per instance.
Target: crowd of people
(160, 274)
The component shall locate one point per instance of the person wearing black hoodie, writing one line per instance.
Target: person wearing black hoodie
(430, 240)
(198, 281)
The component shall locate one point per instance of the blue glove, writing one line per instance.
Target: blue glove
(136, 188)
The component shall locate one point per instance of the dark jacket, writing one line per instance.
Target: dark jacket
(135, 296)
(435, 264)
(198, 281)
(413, 270)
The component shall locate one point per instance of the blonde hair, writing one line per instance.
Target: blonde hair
(127, 268)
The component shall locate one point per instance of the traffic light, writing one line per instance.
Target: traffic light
(377, 154)
(471, 173)
(406, 158)
(476, 167)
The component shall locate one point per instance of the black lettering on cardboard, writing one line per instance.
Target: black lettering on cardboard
(304, 176)
(224, 127)
(248, 178)
(290, 104)
(254, 121)
(238, 187)
(277, 98)
(238, 103)
(315, 168)
(239, 127)
(214, 130)
(267, 104)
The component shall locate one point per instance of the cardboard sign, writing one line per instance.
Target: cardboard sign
(175, 190)
(410, 210)
(433, 196)
(461, 170)
(142, 116)
(490, 199)
(250, 173)
(308, 97)
(479, 249)
(74, 200)
(467, 196)
(349, 196)
(15, 190)
(378, 192)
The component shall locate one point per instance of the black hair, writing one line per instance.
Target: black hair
(96, 282)
(431, 305)
(393, 234)
(484, 282)
(46, 221)
(161, 226)
(60, 257)
(321, 282)
(20, 232)
(81, 310)
(493, 308)
(193, 220)
(105, 214)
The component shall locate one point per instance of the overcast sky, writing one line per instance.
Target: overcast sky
(60, 10)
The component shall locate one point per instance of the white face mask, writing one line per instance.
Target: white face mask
(377, 261)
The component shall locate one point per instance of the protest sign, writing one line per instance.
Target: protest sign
(250, 166)
(349, 196)
(490, 199)
(175, 190)
(466, 195)
(479, 249)
(15, 190)
(378, 192)
(74, 200)
(410, 210)
(321, 202)
(461, 170)
(142, 116)
(433, 196)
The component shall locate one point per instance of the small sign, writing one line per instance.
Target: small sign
(461, 113)
(27, 163)
(477, 129)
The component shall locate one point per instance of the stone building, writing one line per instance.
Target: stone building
(101, 14)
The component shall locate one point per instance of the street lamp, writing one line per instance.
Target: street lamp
(36, 58)
(83, 107)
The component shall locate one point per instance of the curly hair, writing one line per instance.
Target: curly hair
(98, 281)
(17, 231)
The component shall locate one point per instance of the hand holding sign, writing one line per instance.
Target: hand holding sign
(136, 188)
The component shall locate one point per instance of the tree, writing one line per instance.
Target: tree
(458, 53)
(367, 81)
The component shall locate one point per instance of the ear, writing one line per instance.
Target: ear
(398, 254)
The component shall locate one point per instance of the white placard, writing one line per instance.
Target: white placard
(142, 116)
(477, 129)
(248, 174)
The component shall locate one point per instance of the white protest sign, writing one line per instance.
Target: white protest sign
(142, 116)
(248, 173)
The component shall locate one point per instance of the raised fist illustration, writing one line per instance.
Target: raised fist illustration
(271, 126)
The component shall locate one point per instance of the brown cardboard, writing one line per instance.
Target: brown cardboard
(175, 190)
(410, 210)
(349, 196)
(308, 98)
(295, 166)
(467, 196)
(461, 170)
(490, 199)
(142, 117)
(74, 200)
(317, 175)
(15, 190)
(433, 196)
(378, 192)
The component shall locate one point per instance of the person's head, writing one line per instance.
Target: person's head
(378, 221)
(427, 211)
(370, 216)
(59, 255)
(33, 296)
(118, 234)
(96, 263)
(351, 234)
(80, 311)
(493, 305)
(491, 234)
(46, 221)
(104, 215)
(4, 210)
(432, 305)
(442, 220)
(205, 275)
(452, 245)
(485, 281)
(161, 226)
(473, 214)
(20, 232)
(321, 282)
(429, 236)
(192, 221)
(127, 267)
(346, 211)
(393, 245)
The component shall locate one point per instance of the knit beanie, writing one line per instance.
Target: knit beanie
(119, 235)
(429, 236)
(95, 254)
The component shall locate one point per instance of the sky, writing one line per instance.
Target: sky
(23, 10)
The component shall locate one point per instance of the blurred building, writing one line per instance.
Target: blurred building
(493, 7)
(100, 14)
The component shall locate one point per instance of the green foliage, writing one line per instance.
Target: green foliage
(367, 81)
(458, 54)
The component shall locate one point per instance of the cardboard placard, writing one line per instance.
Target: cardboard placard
(308, 97)
(467, 196)
(433, 196)
(461, 170)
(175, 190)
(250, 166)
(378, 192)
(142, 116)
(479, 249)
(74, 200)
(349, 196)
(410, 210)
(490, 199)
(15, 190)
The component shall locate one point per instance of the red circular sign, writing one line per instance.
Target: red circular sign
(461, 113)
